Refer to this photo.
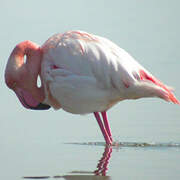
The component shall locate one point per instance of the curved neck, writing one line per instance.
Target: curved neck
(27, 71)
(32, 52)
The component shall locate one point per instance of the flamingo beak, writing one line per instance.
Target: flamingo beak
(40, 106)
(28, 101)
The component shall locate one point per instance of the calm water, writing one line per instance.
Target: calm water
(71, 161)
(54, 144)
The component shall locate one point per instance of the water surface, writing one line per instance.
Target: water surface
(93, 160)
(39, 143)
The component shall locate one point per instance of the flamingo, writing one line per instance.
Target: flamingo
(81, 73)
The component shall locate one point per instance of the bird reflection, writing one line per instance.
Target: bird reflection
(103, 162)
(98, 174)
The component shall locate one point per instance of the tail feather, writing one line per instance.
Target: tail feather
(170, 96)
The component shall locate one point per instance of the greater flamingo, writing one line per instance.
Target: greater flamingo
(80, 73)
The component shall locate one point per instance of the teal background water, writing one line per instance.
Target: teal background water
(32, 142)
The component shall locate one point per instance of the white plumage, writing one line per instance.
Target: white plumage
(81, 73)
(91, 73)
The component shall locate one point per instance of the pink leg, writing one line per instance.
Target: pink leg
(106, 124)
(103, 130)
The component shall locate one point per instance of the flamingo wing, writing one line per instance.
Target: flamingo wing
(78, 67)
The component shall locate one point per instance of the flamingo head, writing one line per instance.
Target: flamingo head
(21, 75)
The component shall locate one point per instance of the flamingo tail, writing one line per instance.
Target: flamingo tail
(168, 96)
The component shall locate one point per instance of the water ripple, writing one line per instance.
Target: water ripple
(132, 144)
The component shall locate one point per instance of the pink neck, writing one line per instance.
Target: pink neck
(32, 66)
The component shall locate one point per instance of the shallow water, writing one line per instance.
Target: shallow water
(94, 161)
(133, 144)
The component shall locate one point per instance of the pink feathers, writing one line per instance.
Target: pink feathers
(80, 73)
(170, 97)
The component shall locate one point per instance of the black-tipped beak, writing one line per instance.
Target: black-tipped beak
(28, 101)
(40, 106)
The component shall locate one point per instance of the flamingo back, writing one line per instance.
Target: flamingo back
(84, 73)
